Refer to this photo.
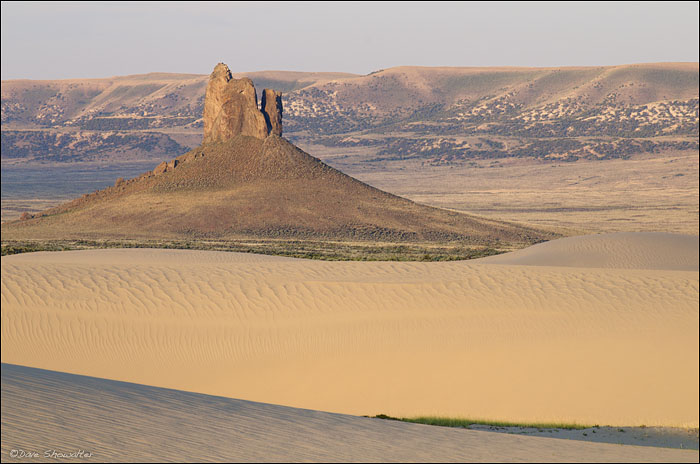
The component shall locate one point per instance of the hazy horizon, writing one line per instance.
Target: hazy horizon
(70, 40)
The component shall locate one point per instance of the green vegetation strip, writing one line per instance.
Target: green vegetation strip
(321, 250)
(465, 423)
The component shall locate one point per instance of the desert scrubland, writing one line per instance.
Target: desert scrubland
(644, 193)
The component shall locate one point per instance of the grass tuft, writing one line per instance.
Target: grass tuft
(465, 423)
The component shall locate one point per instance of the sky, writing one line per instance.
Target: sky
(88, 39)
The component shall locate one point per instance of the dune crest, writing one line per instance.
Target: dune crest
(623, 250)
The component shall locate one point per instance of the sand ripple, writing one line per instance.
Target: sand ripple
(503, 341)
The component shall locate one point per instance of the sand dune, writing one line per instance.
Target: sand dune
(122, 422)
(597, 345)
(624, 250)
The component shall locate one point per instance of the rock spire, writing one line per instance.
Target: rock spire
(231, 108)
(271, 106)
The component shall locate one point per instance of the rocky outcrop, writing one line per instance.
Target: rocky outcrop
(166, 166)
(161, 168)
(231, 108)
(271, 106)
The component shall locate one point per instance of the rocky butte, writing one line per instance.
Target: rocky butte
(246, 181)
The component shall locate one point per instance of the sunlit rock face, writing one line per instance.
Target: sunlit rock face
(231, 108)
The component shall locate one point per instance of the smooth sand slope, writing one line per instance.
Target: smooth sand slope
(623, 250)
(117, 421)
(499, 341)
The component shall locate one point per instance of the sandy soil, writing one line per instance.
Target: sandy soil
(122, 422)
(605, 345)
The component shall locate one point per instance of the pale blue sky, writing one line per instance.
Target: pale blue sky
(71, 40)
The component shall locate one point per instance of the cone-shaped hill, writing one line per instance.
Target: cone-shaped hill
(247, 181)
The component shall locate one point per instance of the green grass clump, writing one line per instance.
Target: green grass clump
(464, 422)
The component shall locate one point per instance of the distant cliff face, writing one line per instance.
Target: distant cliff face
(231, 108)
(432, 115)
